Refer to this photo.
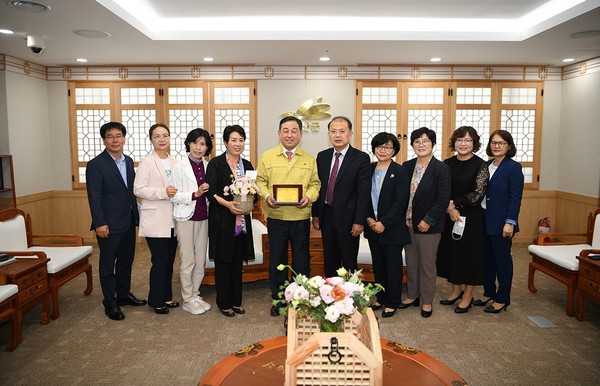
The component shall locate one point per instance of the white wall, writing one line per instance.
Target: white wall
(549, 178)
(579, 149)
(279, 96)
(29, 133)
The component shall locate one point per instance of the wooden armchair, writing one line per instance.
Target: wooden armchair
(555, 254)
(68, 256)
(8, 310)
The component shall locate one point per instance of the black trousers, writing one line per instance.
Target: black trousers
(228, 277)
(280, 233)
(116, 258)
(387, 269)
(162, 250)
(339, 249)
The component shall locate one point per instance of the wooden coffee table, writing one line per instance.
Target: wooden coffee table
(263, 363)
(31, 276)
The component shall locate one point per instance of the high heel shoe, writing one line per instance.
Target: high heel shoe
(449, 302)
(481, 303)
(239, 310)
(414, 303)
(388, 314)
(426, 314)
(460, 310)
(229, 313)
(376, 306)
(493, 310)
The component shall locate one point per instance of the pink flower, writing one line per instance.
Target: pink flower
(325, 292)
(290, 291)
(345, 306)
(335, 281)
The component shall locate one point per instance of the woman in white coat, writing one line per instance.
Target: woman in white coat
(190, 211)
(153, 185)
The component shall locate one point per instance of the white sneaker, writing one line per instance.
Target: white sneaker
(205, 306)
(193, 307)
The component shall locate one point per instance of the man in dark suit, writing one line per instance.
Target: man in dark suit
(341, 210)
(109, 181)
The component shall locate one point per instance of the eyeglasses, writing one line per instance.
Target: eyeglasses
(384, 148)
(158, 136)
(465, 141)
(419, 142)
(500, 143)
(111, 137)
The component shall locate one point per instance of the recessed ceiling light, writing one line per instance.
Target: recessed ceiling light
(208, 59)
(29, 6)
(90, 33)
(324, 58)
(567, 60)
(6, 32)
(585, 34)
(435, 59)
(81, 60)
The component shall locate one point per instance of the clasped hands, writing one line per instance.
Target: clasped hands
(376, 226)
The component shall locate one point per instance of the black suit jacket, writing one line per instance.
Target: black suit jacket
(352, 188)
(391, 207)
(432, 196)
(111, 202)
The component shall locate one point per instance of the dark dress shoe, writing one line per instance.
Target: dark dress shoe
(275, 311)
(161, 310)
(426, 314)
(228, 313)
(376, 306)
(114, 313)
(172, 304)
(131, 300)
(492, 310)
(239, 310)
(414, 303)
(387, 314)
(449, 302)
(460, 310)
(481, 303)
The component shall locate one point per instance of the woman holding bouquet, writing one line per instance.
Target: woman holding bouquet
(229, 229)
(386, 227)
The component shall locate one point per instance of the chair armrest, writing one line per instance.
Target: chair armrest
(40, 254)
(587, 252)
(76, 240)
(563, 238)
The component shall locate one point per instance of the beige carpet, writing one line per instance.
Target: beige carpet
(84, 347)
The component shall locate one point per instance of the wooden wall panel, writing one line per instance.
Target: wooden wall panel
(64, 211)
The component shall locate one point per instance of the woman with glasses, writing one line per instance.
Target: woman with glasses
(501, 205)
(425, 216)
(153, 184)
(386, 227)
(229, 229)
(460, 253)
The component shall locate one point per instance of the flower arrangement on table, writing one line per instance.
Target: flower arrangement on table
(243, 189)
(328, 300)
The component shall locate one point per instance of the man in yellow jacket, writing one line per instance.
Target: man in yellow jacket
(289, 174)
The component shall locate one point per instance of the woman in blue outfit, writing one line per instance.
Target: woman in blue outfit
(501, 211)
(386, 227)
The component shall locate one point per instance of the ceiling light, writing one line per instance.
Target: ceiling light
(324, 58)
(81, 60)
(6, 32)
(208, 59)
(567, 60)
(90, 33)
(585, 34)
(435, 59)
(29, 6)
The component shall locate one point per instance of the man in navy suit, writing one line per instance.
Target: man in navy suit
(341, 210)
(109, 181)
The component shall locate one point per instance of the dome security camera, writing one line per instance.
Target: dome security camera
(37, 44)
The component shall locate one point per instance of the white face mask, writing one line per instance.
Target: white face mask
(459, 228)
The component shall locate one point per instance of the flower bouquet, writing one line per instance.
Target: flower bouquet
(328, 300)
(243, 189)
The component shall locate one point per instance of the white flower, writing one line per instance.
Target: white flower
(345, 306)
(332, 314)
(301, 294)
(325, 292)
(316, 281)
(335, 281)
